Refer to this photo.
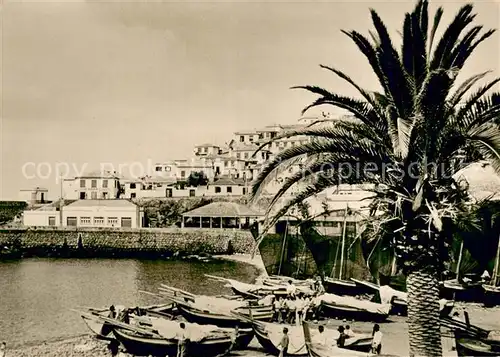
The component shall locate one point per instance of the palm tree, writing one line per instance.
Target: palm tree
(403, 141)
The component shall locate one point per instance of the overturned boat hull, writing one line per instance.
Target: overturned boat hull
(345, 287)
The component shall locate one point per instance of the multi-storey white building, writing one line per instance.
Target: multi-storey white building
(94, 185)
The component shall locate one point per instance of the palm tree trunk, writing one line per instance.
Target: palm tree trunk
(423, 314)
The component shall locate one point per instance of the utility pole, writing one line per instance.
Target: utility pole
(61, 203)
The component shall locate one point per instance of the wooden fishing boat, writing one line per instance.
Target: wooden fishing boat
(142, 345)
(271, 347)
(492, 290)
(352, 313)
(204, 317)
(103, 330)
(461, 291)
(468, 346)
(318, 350)
(491, 295)
(344, 287)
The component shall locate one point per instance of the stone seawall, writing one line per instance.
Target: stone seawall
(106, 241)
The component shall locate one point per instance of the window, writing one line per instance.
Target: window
(83, 195)
(127, 222)
(85, 221)
(261, 136)
(158, 168)
(82, 183)
(250, 138)
(246, 155)
(94, 184)
(104, 195)
(192, 193)
(93, 195)
(238, 155)
(133, 195)
(104, 183)
(132, 186)
(98, 221)
(273, 135)
(244, 191)
(205, 149)
(229, 189)
(242, 139)
(217, 189)
(183, 173)
(52, 221)
(71, 221)
(112, 221)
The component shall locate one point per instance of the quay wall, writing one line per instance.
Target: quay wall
(39, 241)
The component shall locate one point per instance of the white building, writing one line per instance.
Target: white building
(34, 195)
(88, 213)
(94, 185)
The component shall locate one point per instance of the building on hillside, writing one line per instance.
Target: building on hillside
(146, 187)
(480, 180)
(87, 213)
(221, 215)
(228, 186)
(207, 149)
(93, 185)
(34, 195)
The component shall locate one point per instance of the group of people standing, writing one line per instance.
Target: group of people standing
(297, 307)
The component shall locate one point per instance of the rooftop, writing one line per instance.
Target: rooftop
(37, 189)
(223, 209)
(98, 174)
(102, 203)
(207, 145)
(228, 181)
(244, 147)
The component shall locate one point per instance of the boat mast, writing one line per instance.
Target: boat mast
(494, 276)
(283, 247)
(343, 244)
(459, 263)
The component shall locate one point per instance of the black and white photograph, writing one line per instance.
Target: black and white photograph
(248, 178)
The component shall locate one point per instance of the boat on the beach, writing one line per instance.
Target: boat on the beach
(103, 330)
(139, 344)
(350, 308)
(454, 289)
(399, 299)
(491, 295)
(320, 350)
(344, 287)
(468, 346)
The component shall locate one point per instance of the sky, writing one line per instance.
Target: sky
(133, 83)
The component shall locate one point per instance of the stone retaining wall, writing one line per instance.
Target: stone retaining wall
(162, 240)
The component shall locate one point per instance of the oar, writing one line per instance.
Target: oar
(177, 290)
(150, 293)
(117, 323)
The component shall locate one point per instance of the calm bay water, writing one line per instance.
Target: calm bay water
(36, 295)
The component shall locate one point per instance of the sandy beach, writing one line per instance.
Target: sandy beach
(395, 340)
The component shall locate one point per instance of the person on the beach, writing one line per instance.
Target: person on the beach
(291, 290)
(182, 338)
(299, 306)
(305, 308)
(3, 349)
(320, 338)
(284, 310)
(277, 310)
(292, 308)
(113, 347)
(377, 340)
(348, 331)
(342, 337)
(283, 345)
(318, 286)
(112, 312)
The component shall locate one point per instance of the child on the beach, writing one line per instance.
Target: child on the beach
(283, 345)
